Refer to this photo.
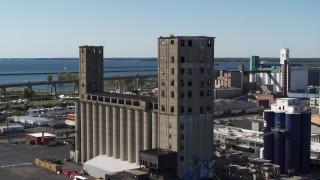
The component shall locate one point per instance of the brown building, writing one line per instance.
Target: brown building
(228, 79)
(186, 100)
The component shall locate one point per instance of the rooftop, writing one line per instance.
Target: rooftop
(238, 133)
(40, 134)
(102, 164)
(157, 152)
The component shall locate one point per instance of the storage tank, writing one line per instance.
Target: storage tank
(292, 143)
(279, 140)
(268, 117)
(305, 142)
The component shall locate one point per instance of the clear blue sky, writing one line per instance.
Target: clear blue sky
(130, 28)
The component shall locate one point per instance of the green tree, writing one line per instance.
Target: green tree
(49, 77)
(28, 93)
(60, 77)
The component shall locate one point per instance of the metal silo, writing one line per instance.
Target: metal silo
(279, 140)
(292, 143)
(268, 117)
(305, 142)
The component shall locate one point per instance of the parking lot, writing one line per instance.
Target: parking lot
(31, 172)
(14, 154)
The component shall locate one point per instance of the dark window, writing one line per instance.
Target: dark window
(163, 93)
(209, 43)
(172, 41)
(89, 84)
(189, 94)
(82, 84)
(163, 82)
(201, 110)
(208, 70)
(181, 110)
(172, 94)
(182, 43)
(209, 82)
(181, 137)
(181, 82)
(172, 82)
(163, 108)
(208, 92)
(189, 70)
(189, 82)
(172, 59)
(208, 108)
(201, 59)
(181, 158)
(182, 94)
(201, 93)
(172, 70)
(181, 126)
(170, 125)
(201, 70)
(172, 109)
(190, 43)
(182, 59)
(170, 136)
(201, 84)
(189, 109)
(181, 147)
(182, 71)
(94, 84)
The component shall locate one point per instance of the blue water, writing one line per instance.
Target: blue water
(18, 66)
(111, 65)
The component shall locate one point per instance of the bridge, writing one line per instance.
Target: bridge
(53, 84)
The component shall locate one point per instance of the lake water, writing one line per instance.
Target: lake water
(112, 67)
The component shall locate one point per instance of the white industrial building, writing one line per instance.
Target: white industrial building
(288, 105)
(39, 121)
(12, 128)
(297, 79)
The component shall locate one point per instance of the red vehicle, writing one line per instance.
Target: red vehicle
(66, 172)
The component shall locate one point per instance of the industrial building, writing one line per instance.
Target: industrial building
(111, 124)
(186, 101)
(284, 77)
(179, 120)
(40, 138)
(287, 136)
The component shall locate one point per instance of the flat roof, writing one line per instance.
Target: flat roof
(109, 164)
(158, 152)
(40, 134)
(315, 119)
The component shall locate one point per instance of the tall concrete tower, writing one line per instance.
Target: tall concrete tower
(185, 73)
(284, 58)
(91, 70)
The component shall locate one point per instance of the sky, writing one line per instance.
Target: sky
(130, 28)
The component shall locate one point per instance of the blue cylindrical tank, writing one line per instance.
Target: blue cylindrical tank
(292, 143)
(268, 117)
(305, 137)
(279, 140)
